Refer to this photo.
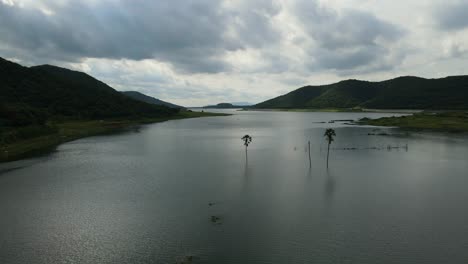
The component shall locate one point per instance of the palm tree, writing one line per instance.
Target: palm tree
(329, 134)
(247, 140)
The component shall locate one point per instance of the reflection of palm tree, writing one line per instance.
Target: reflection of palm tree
(247, 140)
(330, 186)
(247, 171)
(329, 134)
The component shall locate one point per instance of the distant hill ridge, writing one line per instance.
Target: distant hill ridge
(35, 94)
(224, 106)
(407, 92)
(150, 100)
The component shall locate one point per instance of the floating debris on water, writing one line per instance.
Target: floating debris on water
(216, 219)
(185, 260)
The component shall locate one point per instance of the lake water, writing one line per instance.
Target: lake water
(148, 196)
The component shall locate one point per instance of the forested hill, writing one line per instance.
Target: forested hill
(400, 93)
(35, 94)
(148, 99)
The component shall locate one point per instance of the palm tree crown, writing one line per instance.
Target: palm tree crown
(329, 134)
(247, 140)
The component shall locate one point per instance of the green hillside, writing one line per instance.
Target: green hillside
(399, 93)
(36, 94)
(43, 106)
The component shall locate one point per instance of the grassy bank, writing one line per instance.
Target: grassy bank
(18, 143)
(444, 122)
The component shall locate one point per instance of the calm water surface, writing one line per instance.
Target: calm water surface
(144, 196)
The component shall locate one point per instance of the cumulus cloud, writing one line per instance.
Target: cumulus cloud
(196, 36)
(249, 23)
(347, 40)
(197, 52)
(191, 35)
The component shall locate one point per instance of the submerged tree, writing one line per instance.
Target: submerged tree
(247, 140)
(329, 134)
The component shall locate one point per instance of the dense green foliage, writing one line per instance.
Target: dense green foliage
(148, 99)
(31, 96)
(399, 93)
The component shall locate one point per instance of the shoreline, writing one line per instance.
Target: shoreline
(451, 122)
(68, 131)
(336, 110)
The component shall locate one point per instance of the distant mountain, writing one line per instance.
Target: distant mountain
(34, 95)
(150, 100)
(242, 103)
(399, 93)
(224, 106)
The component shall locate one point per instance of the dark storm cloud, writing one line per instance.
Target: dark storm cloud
(452, 15)
(347, 40)
(197, 36)
(191, 35)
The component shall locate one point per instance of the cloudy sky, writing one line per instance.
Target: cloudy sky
(206, 51)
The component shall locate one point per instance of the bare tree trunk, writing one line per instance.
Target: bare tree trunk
(310, 161)
(328, 153)
(246, 160)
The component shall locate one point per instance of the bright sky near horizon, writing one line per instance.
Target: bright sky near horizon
(203, 52)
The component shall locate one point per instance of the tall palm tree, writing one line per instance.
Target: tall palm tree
(247, 140)
(329, 134)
